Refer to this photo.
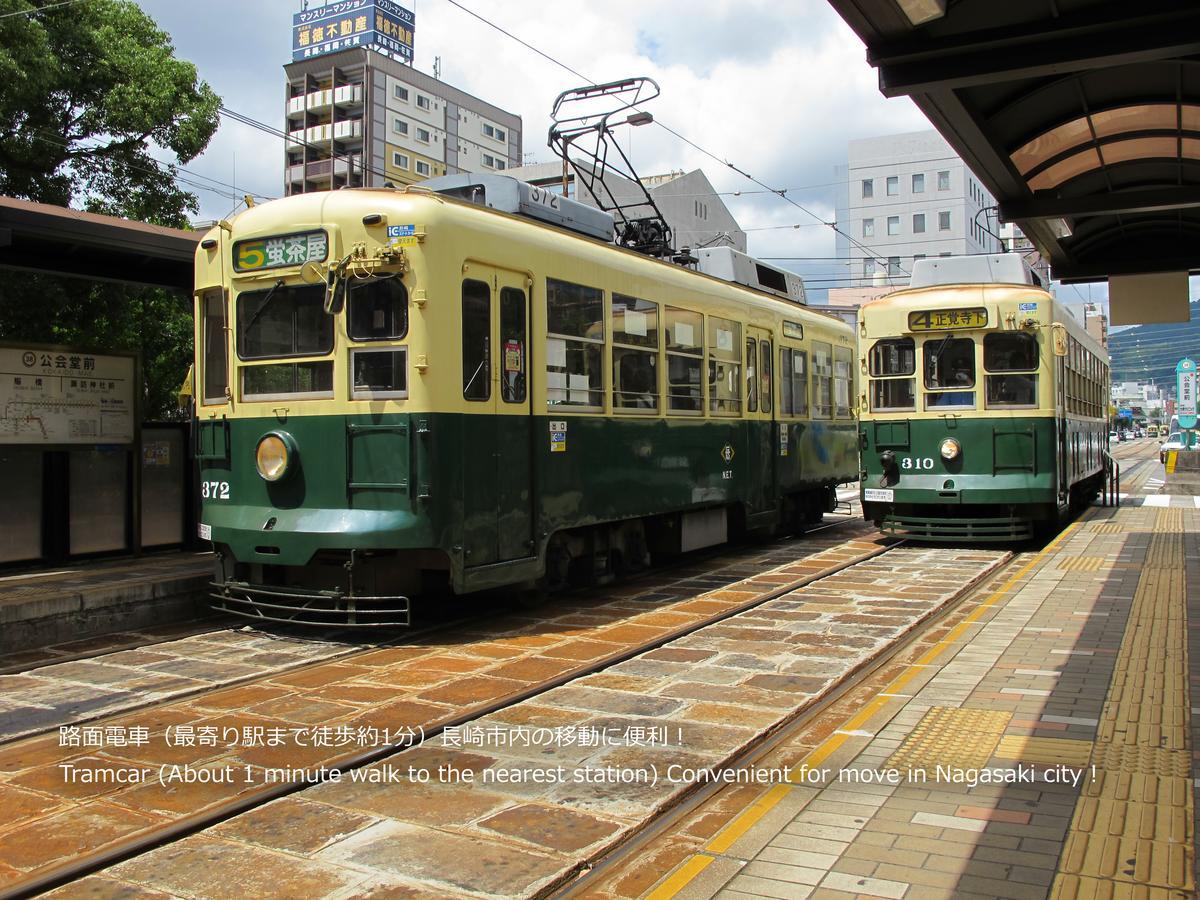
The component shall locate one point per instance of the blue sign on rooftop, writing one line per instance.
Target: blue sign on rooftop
(353, 23)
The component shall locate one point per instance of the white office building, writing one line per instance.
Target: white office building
(906, 197)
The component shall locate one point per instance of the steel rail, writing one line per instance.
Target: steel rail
(413, 636)
(139, 844)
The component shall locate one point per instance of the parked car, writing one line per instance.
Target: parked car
(1114, 437)
(1174, 441)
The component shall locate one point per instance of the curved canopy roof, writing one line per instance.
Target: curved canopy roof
(1082, 117)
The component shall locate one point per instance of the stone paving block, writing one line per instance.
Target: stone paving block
(293, 824)
(68, 834)
(858, 885)
(440, 859)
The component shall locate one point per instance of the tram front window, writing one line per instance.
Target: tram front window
(1014, 355)
(949, 372)
(888, 359)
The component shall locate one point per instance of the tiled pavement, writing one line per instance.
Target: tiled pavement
(1079, 665)
(516, 833)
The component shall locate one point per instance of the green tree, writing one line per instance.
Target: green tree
(87, 91)
(89, 88)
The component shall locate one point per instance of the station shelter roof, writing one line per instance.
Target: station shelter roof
(63, 241)
(1082, 117)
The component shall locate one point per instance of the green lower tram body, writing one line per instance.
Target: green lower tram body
(1013, 479)
(375, 509)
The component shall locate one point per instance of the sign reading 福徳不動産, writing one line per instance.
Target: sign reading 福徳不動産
(342, 24)
(53, 396)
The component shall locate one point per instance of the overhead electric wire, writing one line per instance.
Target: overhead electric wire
(781, 193)
(36, 10)
(237, 195)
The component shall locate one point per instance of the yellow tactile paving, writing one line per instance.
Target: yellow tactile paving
(1044, 751)
(952, 737)
(1131, 833)
(1081, 564)
(1108, 528)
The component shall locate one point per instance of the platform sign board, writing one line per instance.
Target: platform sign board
(342, 24)
(60, 396)
(1185, 393)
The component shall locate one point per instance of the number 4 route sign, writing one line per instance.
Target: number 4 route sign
(1185, 393)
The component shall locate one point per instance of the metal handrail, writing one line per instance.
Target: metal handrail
(1111, 495)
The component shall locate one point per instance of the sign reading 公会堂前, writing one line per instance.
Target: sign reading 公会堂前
(57, 396)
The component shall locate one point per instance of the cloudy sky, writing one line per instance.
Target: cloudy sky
(775, 89)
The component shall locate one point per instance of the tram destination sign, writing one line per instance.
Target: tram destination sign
(947, 319)
(65, 397)
(341, 24)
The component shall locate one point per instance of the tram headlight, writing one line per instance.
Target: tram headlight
(274, 455)
(950, 449)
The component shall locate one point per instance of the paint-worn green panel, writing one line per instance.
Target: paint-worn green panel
(484, 489)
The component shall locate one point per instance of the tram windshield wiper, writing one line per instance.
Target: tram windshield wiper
(937, 356)
(262, 306)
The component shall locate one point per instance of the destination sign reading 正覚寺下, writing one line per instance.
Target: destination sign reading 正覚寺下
(947, 319)
(281, 250)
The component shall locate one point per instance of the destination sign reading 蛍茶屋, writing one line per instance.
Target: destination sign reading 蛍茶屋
(947, 319)
(280, 250)
(65, 397)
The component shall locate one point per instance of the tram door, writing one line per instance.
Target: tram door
(759, 417)
(497, 430)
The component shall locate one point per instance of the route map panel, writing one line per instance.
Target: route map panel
(65, 397)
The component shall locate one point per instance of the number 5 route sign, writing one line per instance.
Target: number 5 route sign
(1185, 392)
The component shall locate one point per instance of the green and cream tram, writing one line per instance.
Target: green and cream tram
(982, 415)
(401, 391)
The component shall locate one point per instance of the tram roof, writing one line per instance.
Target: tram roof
(63, 241)
(1082, 117)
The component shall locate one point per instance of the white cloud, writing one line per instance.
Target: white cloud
(777, 90)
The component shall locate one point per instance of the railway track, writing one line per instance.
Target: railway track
(208, 660)
(590, 615)
(704, 616)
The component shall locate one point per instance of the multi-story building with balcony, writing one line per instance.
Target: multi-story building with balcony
(357, 117)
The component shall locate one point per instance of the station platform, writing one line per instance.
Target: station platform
(1042, 745)
(45, 608)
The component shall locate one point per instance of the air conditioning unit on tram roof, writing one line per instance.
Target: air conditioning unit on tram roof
(507, 194)
(980, 268)
(741, 268)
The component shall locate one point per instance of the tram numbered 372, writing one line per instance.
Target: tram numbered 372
(401, 392)
(983, 409)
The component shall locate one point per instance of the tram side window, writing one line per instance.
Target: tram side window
(842, 360)
(765, 378)
(216, 348)
(949, 372)
(476, 354)
(751, 375)
(574, 344)
(888, 362)
(793, 382)
(1010, 360)
(685, 352)
(822, 375)
(724, 366)
(378, 310)
(635, 353)
(512, 345)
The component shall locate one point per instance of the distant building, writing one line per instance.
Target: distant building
(694, 212)
(1096, 323)
(359, 117)
(909, 196)
(858, 296)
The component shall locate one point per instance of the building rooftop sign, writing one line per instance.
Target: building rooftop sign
(340, 25)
